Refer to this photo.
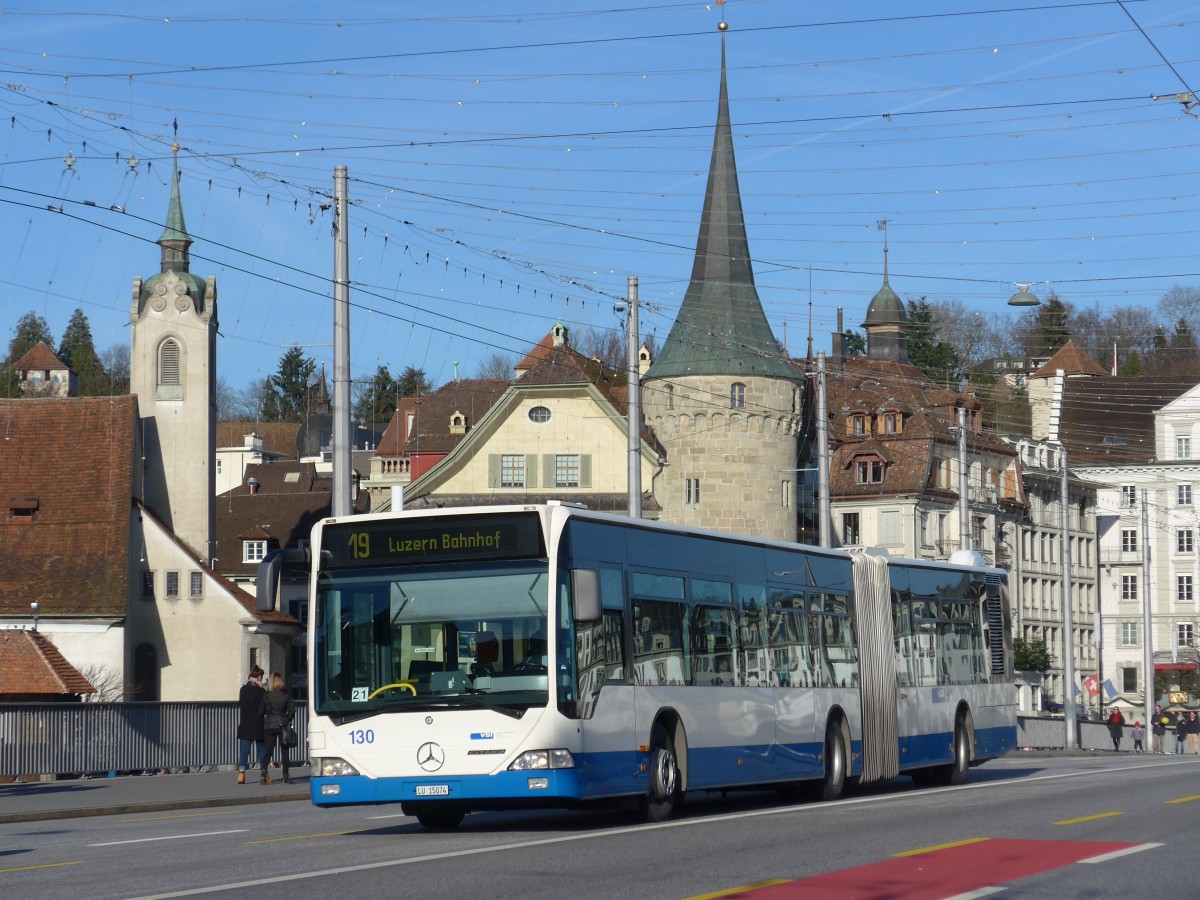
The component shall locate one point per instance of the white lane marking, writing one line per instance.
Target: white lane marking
(393, 816)
(905, 796)
(1117, 854)
(981, 892)
(169, 837)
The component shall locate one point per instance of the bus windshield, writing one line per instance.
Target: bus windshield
(423, 637)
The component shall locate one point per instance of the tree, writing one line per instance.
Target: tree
(605, 344)
(1051, 327)
(1031, 655)
(251, 401)
(375, 400)
(116, 368)
(290, 392)
(854, 343)
(227, 401)
(10, 384)
(926, 350)
(1132, 366)
(497, 365)
(29, 330)
(413, 382)
(79, 353)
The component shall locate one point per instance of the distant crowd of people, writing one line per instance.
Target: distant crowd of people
(1185, 727)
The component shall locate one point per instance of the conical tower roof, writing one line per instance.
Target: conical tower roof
(175, 230)
(721, 328)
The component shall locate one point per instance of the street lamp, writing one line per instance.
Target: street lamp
(1023, 297)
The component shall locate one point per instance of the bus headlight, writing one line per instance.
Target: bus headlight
(332, 767)
(543, 759)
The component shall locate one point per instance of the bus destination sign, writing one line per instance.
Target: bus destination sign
(424, 541)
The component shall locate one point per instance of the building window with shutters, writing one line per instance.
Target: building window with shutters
(566, 470)
(170, 376)
(512, 470)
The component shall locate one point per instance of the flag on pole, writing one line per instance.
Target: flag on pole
(1114, 366)
(1091, 685)
(1110, 689)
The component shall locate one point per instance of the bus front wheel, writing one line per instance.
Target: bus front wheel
(664, 793)
(835, 763)
(435, 817)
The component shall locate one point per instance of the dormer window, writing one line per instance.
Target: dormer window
(891, 422)
(458, 423)
(869, 468)
(858, 424)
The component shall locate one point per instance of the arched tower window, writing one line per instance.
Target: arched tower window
(170, 381)
(737, 395)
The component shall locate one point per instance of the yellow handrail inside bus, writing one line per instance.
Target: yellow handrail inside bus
(407, 685)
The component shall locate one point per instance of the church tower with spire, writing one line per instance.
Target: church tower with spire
(173, 372)
(721, 396)
(886, 324)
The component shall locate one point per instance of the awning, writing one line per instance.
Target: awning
(1166, 667)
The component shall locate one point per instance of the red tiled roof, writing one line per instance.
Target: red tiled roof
(32, 668)
(75, 458)
(1073, 361)
(278, 437)
(40, 357)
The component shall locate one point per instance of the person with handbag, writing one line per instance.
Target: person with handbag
(278, 711)
(250, 721)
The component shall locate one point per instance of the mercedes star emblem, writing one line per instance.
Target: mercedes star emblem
(430, 756)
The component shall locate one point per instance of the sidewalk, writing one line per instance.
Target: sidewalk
(40, 800)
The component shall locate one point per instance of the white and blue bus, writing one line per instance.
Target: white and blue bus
(547, 656)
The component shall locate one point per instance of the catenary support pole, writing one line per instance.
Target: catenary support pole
(964, 483)
(634, 383)
(1068, 628)
(824, 538)
(341, 504)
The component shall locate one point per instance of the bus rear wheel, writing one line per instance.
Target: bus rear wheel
(956, 772)
(664, 793)
(834, 781)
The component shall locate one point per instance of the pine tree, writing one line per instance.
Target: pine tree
(376, 398)
(290, 388)
(926, 350)
(30, 329)
(78, 352)
(413, 382)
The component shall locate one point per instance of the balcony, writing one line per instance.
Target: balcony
(1120, 557)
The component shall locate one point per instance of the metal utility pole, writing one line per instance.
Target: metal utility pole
(634, 386)
(1068, 640)
(824, 538)
(964, 481)
(1147, 615)
(341, 347)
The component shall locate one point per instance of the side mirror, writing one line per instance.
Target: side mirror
(585, 592)
(266, 581)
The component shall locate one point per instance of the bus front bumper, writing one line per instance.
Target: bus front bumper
(552, 787)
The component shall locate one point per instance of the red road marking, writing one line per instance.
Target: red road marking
(940, 873)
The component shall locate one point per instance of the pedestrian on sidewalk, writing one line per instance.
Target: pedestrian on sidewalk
(250, 721)
(1193, 733)
(1158, 729)
(1181, 731)
(1116, 728)
(1139, 735)
(277, 710)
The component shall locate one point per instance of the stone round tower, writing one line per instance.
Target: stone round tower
(721, 397)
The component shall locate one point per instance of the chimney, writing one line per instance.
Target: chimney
(397, 497)
(839, 341)
(253, 485)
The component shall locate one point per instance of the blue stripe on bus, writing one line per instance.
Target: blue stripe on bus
(613, 774)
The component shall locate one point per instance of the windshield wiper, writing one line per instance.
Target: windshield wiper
(453, 700)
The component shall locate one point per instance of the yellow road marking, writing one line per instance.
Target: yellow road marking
(78, 862)
(733, 892)
(301, 837)
(1107, 815)
(1185, 799)
(185, 816)
(937, 847)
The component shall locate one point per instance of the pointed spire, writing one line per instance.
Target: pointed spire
(175, 240)
(721, 328)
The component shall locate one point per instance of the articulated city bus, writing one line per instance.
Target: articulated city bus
(547, 656)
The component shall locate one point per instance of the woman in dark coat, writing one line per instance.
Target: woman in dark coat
(277, 711)
(1116, 728)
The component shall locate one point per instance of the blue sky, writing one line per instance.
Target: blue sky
(511, 164)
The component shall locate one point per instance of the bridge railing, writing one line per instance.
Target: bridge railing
(82, 738)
